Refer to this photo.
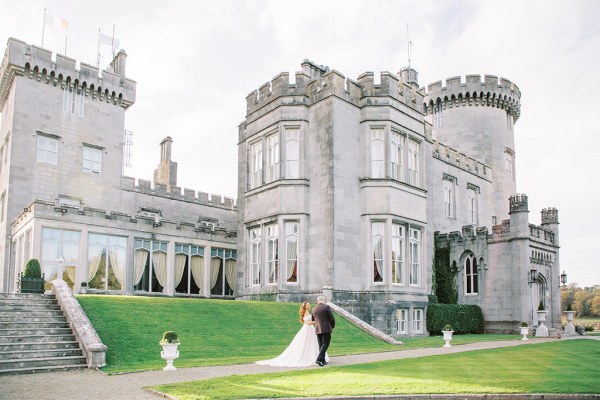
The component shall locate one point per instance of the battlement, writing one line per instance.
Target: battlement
(549, 216)
(30, 61)
(518, 203)
(175, 193)
(457, 159)
(474, 91)
(317, 81)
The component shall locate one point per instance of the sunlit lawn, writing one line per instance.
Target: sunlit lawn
(567, 366)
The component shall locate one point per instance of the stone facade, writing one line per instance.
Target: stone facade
(66, 202)
(347, 187)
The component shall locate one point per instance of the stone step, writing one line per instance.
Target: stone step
(28, 307)
(34, 331)
(41, 369)
(36, 338)
(16, 314)
(39, 346)
(26, 300)
(24, 296)
(30, 354)
(30, 363)
(33, 325)
(34, 319)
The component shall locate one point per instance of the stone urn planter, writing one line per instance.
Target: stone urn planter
(83, 289)
(542, 330)
(169, 352)
(524, 329)
(447, 332)
(569, 316)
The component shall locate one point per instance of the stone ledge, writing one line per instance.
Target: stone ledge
(363, 325)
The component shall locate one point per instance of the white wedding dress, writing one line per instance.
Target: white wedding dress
(303, 350)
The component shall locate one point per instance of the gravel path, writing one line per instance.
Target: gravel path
(95, 385)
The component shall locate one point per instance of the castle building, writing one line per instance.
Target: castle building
(361, 190)
(64, 200)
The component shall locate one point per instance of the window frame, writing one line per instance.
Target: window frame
(415, 249)
(379, 236)
(272, 253)
(402, 321)
(398, 263)
(90, 161)
(293, 234)
(41, 147)
(414, 162)
(255, 236)
(292, 152)
(417, 320)
(377, 152)
(471, 275)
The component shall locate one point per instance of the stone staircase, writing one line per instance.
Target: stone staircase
(35, 335)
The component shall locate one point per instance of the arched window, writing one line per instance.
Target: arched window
(471, 284)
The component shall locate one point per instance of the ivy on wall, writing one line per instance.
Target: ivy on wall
(444, 279)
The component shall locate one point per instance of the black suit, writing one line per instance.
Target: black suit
(324, 324)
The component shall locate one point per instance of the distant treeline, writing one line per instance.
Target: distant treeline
(585, 301)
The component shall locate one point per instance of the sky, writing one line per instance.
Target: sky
(195, 61)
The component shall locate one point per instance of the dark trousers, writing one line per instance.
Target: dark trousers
(324, 339)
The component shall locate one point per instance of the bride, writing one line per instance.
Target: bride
(304, 348)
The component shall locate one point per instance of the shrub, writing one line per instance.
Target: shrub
(170, 337)
(465, 318)
(569, 308)
(83, 284)
(447, 327)
(33, 269)
(524, 325)
(588, 328)
(541, 306)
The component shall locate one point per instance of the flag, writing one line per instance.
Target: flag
(109, 40)
(56, 22)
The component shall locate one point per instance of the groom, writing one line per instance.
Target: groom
(324, 324)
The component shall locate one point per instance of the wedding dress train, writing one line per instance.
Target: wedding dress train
(302, 351)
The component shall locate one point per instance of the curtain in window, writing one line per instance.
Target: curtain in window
(71, 252)
(230, 272)
(117, 263)
(141, 256)
(93, 265)
(198, 271)
(159, 261)
(215, 266)
(292, 256)
(179, 267)
(378, 256)
(70, 271)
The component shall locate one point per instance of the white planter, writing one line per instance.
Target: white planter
(541, 330)
(524, 332)
(569, 315)
(169, 353)
(447, 338)
(83, 290)
(570, 328)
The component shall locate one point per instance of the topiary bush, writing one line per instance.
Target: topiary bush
(541, 306)
(33, 269)
(170, 337)
(464, 318)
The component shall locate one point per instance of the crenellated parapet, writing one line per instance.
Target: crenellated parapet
(316, 82)
(109, 86)
(176, 193)
(549, 216)
(454, 157)
(489, 92)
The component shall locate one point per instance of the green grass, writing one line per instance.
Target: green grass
(568, 366)
(212, 332)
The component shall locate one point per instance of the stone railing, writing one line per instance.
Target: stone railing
(93, 348)
(363, 325)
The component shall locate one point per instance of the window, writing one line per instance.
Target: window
(471, 285)
(415, 257)
(417, 321)
(255, 161)
(377, 153)
(291, 251)
(401, 321)
(73, 99)
(449, 198)
(272, 158)
(272, 254)
(107, 262)
(92, 160)
(189, 269)
(377, 235)
(397, 254)
(47, 150)
(473, 209)
(397, 156)
(508, 161)
(223, 272)
(438, 115)
(255, 238)
(150, 266)
(414, 162)
(292, 153)
(494, 221)
(60, 254)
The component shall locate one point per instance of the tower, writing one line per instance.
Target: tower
(478, 117)
(166, 173)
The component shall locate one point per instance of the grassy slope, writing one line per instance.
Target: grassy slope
(555, 367)
(212, 332)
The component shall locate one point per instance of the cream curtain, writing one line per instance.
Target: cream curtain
(179, 267)
(141, 256)
(292, 256)
(117, 263)
(198, 271)
(230, 272)
(70, 271)
(215, 264)
(378, 256)
(93, 265)
(159, 261)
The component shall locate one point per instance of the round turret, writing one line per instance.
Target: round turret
(477, 118)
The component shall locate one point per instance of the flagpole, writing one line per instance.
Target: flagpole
(66, 44)
(98, 53)
(113, 42)
(43, 27)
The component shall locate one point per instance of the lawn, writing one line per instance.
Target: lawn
(212, 332)
(566, 366)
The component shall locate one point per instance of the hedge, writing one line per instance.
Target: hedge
(463, 318)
